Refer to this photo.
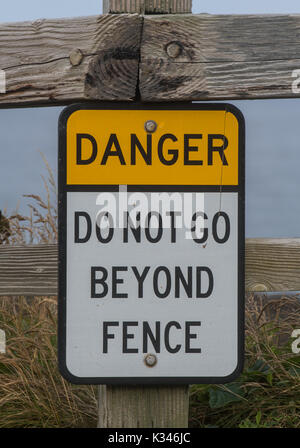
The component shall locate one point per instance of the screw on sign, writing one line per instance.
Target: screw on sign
(151, 234)
(150, 126)
(150, 360)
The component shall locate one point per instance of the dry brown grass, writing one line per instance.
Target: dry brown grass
(32, 391)
(40, 225)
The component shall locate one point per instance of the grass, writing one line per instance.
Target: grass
(39, 226)
(33, 393)
(267, 394)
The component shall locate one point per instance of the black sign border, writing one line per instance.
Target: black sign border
(62, 236)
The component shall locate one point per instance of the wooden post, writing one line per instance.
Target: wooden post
(147, 6)
(144, 406)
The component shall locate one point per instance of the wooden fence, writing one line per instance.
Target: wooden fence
(152, 58)
(168, 56)
(271, 265)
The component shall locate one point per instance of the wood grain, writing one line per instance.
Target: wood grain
(28, 270)
(181, 57)
(219, 57)
(41, 66)
(143, 407)
(271, 265)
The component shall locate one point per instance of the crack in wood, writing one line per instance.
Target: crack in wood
(116, 68)
(134, 57)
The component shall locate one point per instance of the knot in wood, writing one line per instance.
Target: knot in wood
(37, 24)
(259, 287)
(76, 57)
(174, 49)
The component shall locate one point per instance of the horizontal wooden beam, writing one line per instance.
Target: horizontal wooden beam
(206, 57)
(29, 270)
(271, 265)
(67, 60)
(125, 57)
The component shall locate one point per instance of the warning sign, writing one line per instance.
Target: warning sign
(151, 243)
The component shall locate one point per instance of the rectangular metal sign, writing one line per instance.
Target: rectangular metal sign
(151, 243)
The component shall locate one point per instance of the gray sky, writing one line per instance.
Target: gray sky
(272, 129)
(16, 10)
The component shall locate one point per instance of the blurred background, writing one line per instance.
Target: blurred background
(272, 130)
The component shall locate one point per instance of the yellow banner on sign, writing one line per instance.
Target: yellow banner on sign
(181, 147)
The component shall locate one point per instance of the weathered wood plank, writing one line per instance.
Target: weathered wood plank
(201, 57)
(183, 58)
(271, 265)
(143, 407)
(65, 60)
(147, 6)
(28, 270)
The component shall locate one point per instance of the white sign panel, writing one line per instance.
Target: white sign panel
(151, 276)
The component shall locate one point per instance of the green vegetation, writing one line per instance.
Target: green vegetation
(267, 394)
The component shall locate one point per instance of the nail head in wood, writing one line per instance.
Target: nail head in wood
(76, 57)
(173, 50)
